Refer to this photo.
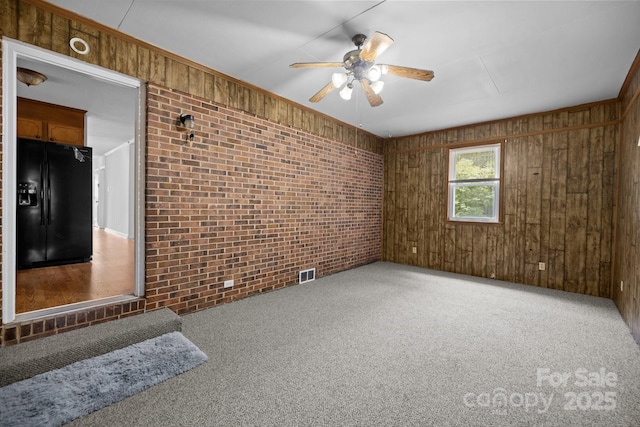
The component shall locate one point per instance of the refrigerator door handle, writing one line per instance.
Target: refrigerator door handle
(42, 207)
(42, 213)
(48, 206)
(48, 195)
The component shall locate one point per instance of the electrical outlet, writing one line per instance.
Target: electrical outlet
(414, 250)
(228, 283)
(542, 266)
(621, 286)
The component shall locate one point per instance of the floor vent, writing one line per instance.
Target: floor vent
(307, 275)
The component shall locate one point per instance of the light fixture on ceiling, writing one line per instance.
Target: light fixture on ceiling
(377, 87)
(30, 77)
(338, 79)
(188, 121)
(360, 65)
(372, 75)
(345, 93)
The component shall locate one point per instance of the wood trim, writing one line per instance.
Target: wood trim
(503, 138)
(445, 172)
(633, 71)
(630, 105)
(30, 108)
(524, 116)
(616, 203)
(57, 10)
(500, 223)
(635, 66)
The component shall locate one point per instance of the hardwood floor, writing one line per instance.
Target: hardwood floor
(110, 273)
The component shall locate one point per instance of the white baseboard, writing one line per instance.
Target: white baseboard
(117, 233)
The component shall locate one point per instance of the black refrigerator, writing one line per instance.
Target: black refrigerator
(54, 209)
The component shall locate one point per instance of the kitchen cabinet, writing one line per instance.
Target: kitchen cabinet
(29, 128)
(65, 134)
(49, 122)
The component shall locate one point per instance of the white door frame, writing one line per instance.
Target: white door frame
(11, 51)
(102, 199)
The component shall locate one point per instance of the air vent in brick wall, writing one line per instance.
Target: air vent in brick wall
(307, 275)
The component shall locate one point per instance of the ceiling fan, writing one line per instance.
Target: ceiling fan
(360, 65)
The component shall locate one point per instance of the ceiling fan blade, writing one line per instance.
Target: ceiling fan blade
(316, 64)
(378, 43)
(410, 73)
(373, 98)
(322, 92)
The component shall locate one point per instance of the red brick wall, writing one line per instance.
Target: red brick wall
(249, 200)
(27, 331)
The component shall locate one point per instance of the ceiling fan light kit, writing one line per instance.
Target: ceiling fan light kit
(360, 66)
(377, 87)
(345, 93)
(374, 73)
(338, 79)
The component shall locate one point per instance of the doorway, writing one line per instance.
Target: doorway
(80, 85)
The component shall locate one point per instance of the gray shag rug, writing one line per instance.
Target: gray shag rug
(62, 395)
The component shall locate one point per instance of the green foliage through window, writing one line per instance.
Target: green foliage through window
(475, 165)
(474, 182)
(474, 201)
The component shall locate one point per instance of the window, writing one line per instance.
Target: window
(474, 183)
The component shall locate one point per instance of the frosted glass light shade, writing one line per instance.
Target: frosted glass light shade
(345, 93)
(374, 73)
(377, 86)
(338, 79)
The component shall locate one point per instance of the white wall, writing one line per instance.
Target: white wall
(132, 189)
(98, 192)
(118, 191)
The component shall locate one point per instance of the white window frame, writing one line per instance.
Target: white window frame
(494, 182)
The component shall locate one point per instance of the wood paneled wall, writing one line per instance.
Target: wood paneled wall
(627, 248)
(558, 197)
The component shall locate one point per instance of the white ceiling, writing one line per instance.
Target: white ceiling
(111, 108)
(491, 59)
